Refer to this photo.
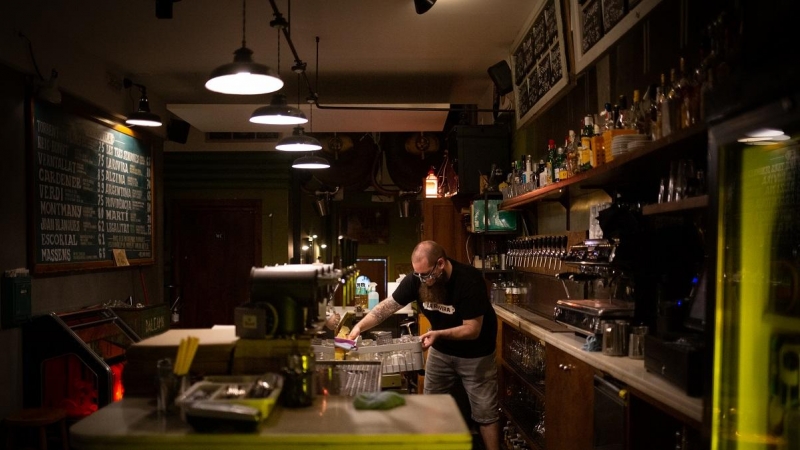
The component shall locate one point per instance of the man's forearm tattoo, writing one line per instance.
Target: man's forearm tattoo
(385, 309)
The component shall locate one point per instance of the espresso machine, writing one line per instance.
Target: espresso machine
(288, 299)
(594, 263)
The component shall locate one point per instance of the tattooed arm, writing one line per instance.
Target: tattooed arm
(378, 314)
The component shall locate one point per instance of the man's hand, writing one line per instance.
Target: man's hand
(428, 338)
(354, 333)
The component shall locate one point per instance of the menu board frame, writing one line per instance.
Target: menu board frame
(586, 57)
(91, 190)
(542, 38)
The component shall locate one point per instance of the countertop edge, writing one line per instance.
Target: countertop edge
(624, 369)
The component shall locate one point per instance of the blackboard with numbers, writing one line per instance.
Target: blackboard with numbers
(540, 60)
(91, 192)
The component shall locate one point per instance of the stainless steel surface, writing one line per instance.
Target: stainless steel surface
(586, 316)
(348, 377)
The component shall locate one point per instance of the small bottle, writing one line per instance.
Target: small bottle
(542, 173)
(373, 296)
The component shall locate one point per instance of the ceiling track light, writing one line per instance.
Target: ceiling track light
(142, 116)
(298, 142)
(244, 76)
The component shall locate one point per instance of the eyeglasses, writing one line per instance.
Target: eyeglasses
(427, 276)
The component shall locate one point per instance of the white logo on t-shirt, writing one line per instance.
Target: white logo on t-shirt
(445, 309)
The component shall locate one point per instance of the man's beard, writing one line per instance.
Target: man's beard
(435, 293)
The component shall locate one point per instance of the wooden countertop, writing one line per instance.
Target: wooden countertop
(332, 422)
(629, 371)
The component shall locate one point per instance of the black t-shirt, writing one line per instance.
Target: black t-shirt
(466, 298)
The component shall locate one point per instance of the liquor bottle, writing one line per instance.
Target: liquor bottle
(655, 111)
(542, 173)
(586, 159)
(638, 120)
(559, 172)
(571, 149)
(528, 172)
(705, 91)
(551, 156)
(608, 117)
(622, 121)
(685, 88)
(666, 121)
(670, 109)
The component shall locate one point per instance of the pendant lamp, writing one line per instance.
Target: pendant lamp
(422, 6)
(142, 116)
(298, 142)
(278, 112)
(311, 162)
(244, 76)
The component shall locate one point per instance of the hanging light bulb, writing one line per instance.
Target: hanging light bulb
(243, 76)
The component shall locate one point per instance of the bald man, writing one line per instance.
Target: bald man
(461, 341)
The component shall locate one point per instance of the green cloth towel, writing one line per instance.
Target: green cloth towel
(378, 400)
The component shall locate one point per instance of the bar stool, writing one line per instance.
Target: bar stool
(39, 418)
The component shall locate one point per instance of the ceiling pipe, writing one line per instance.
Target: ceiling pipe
(313, 97)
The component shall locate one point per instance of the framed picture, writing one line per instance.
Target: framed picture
(598, 24)
(540, 60)
(369, 226)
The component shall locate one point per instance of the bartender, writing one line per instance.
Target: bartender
(461, 343)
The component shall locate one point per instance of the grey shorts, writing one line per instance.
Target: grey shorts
(478, 375)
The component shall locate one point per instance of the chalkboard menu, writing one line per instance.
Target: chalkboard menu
(539, 58)
(592, 24)
(613, 11)
(91, 193)
(598, 24)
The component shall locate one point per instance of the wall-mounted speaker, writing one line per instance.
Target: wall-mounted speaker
(500, 74)
(178, 131)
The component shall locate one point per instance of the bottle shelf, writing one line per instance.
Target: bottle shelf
(700, 201)
(630, 170)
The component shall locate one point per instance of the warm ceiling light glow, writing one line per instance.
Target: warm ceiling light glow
(764, 132)
(298, 142)
(310, 162)
(278, 112)
(243, 76)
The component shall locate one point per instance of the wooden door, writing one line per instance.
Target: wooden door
(442, 222)
(216, 243)
(569, 401)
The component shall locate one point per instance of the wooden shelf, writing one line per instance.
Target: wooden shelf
(629, 171)
(533, 443)
(538, 390)
(701, 201)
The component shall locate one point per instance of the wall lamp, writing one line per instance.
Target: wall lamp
(142, 116)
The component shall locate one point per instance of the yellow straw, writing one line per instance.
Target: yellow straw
(178, 367)
(192, 350)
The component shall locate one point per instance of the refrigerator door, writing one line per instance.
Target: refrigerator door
(756, 374)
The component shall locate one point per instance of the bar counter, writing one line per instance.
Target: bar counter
(332, 422)
(627, 370)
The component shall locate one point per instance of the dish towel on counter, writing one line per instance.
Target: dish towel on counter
(592, 344)
(378, 400)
